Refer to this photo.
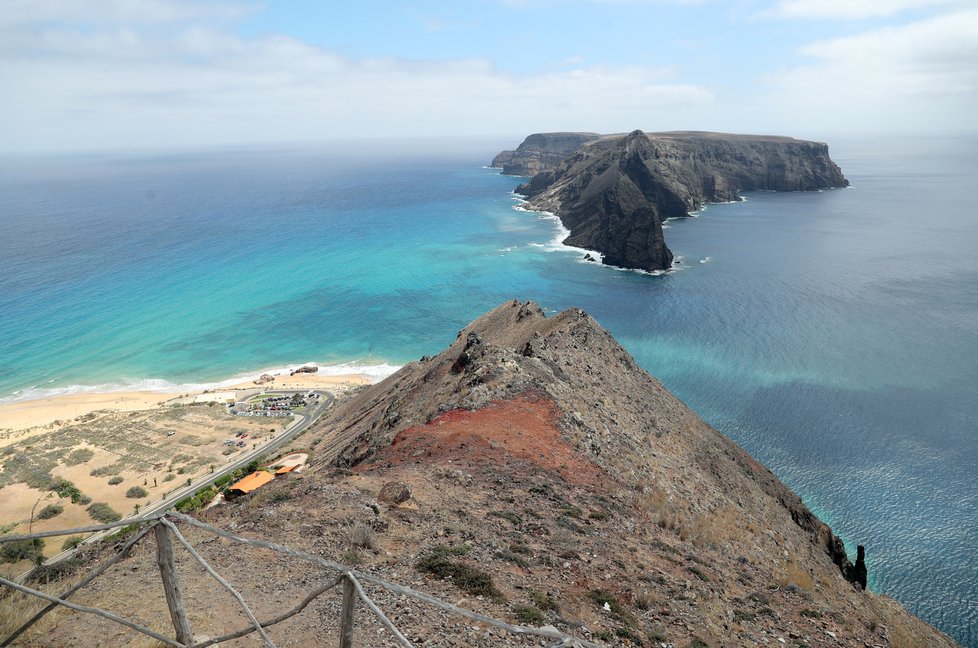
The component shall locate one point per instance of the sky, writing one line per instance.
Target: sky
(89, 75)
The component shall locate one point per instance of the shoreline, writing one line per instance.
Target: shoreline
(21, 415)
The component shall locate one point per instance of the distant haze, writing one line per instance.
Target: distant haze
(108, 74)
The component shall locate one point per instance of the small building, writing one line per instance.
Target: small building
(252, 482)
(285, 469)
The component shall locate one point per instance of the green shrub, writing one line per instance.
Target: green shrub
(17, 550)
(625, 633)
(528, 615)
(169, 477)
(43, 574)
(121, 533)
(65, 488)
(71, 542)
(467, 579)
(603, 598)
(136, 492)
(50, 511)
(657, 635)
(572, 511)
(102, 512)
(544, 601)
(510, 516)
(116, 479)
(514, 558)
(197, 501)
(79, 456)
(699, 574)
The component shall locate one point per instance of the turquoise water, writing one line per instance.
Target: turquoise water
(833, 334)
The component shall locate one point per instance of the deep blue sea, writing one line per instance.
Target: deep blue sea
(834, 334)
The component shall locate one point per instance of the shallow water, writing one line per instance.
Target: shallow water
(832, 334)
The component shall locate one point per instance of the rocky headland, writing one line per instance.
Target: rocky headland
(540, 152)
(613, 192)
(532, 472)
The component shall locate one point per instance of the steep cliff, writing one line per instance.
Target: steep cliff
(614, 192)
(540, 151)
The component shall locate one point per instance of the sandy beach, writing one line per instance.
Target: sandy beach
(21, 415)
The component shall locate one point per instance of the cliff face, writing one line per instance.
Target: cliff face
(613, 193)
(540, 151)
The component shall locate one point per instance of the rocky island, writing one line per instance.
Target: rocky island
(614, 191)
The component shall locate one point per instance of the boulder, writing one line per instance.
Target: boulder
(394, 493)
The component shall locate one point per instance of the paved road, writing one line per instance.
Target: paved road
(302, 422)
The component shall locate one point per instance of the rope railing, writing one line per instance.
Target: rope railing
(164, 527)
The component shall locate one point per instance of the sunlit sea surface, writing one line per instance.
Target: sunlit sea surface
(832, 334)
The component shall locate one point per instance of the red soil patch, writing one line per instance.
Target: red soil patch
(501, 434)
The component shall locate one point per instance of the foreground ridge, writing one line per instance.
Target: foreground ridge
(536, 477)
(162, 524)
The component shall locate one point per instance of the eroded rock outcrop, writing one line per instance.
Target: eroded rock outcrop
(614, 192)
(540, 152)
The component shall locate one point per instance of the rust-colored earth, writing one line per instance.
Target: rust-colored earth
(522, 429)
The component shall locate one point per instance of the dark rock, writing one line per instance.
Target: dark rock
(859, 573)
(540, 151)
(306, 369)
(465, 358)
(614, 192)
(394, 493)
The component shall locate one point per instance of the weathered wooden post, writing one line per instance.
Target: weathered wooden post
(349, 609)
(171, 585)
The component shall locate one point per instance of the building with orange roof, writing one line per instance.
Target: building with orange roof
(250, 483)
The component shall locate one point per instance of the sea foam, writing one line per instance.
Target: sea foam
(374, 372)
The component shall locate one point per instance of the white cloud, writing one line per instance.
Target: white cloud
(197, 84)
(923, 74)
(25, 12)
(853, 9)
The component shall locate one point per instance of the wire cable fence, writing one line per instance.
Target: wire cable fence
(164, 527)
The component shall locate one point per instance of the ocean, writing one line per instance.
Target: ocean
(832, 334)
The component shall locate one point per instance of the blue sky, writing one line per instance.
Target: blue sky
(96, 74)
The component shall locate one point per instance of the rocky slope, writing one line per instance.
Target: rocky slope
(532, 472)
(613, 193)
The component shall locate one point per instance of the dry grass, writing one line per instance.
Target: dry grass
(659, 504)
(795, 574)
(720, 527)
(17, 607)
(361, 536)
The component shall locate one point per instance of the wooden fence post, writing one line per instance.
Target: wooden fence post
(349, 609)
(171, 585)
